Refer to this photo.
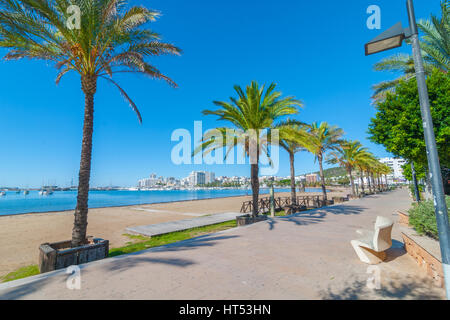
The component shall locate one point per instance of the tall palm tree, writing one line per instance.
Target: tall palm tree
(436, 38)
(323, 138)
(254, 111)
(347, 156)
(363, 162)
(435, 45)
(109, 40)
(294, 138)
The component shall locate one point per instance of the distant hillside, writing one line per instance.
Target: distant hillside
(333, 172)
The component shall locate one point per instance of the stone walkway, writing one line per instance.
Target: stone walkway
(180, 225)
(306, 256)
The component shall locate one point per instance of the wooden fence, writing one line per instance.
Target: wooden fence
(282, 202)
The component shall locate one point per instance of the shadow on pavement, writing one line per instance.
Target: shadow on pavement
(407, 288)
(137, 258)
(305, 218)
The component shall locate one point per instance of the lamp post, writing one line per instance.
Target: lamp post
(414, 178)
(272, 198)
(393, 38)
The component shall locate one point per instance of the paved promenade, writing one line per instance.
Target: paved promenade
(307, 256)
(180, 225)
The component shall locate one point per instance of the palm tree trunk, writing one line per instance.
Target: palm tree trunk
(293, 195)
(352, 182)
(255, 188)
(368, 180)
(322, 178)
(362, 181)
(89, 87)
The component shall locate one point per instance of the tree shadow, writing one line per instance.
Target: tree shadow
(408, 288)
(22, 290)
(137, 258)
(316, 215)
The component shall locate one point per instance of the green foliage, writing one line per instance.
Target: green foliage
(20, 273)
(140, 243)
(422, 217)
(407, 173)
(398, 123)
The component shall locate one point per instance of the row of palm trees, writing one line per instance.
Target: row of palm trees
(262, 110)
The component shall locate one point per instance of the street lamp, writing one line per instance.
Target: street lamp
(390, 39)
(393, 38)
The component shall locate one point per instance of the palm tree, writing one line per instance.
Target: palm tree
(363, 163)
(254, 111)
(109, 40)
(435, 45)
(347, 156)
(293, 138)
(436, 39)
(323, 138)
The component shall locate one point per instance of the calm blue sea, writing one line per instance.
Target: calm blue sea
(14, 203)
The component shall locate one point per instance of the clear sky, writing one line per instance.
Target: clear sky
(312, 49)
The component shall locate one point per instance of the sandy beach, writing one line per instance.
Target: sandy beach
(21, 235)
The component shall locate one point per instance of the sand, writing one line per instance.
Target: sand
(21, 235)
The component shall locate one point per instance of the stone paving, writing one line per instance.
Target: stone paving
(305, 256)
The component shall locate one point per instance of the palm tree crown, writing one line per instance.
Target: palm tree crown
(108, 39)
(255, 110)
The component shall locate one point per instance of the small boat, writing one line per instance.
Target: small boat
(2, 193)
(18, 191)
(25, 192)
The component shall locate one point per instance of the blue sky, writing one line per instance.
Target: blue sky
(312, 49)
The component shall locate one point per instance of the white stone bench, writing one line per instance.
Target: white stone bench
(372, 246)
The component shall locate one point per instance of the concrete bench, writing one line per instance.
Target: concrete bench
(372, 246)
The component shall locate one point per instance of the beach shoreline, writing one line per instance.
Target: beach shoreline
(22, 234)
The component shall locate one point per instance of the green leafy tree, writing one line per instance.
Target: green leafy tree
(397, 125)
(110, 40)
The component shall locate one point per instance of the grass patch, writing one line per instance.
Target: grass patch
(140, 243)
(20, 273)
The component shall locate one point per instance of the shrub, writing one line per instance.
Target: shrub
(423, 218)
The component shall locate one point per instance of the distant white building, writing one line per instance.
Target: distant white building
(197, 178)
(396, 166)
(150, 182)
(210, 177)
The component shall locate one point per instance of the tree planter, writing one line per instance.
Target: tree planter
(248, 219)
(338, 199)
(294, 209)
(60, 255)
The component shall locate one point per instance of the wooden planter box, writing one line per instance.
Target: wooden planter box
(60, 255)
(248, 219)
